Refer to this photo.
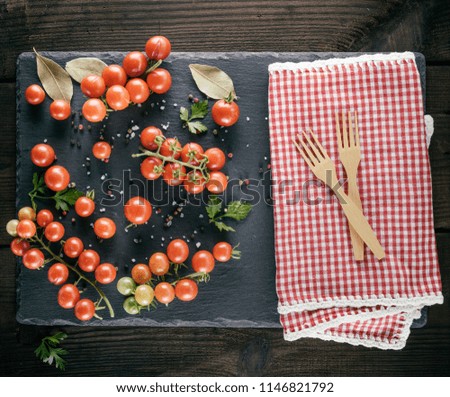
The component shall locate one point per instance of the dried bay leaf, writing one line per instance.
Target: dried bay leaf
(79, 68)
(212, 81)
(55, 80)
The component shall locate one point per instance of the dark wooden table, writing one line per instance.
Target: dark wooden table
(308, 25)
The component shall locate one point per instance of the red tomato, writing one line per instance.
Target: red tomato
(138, 210)
(186, 290)
(192, 153)
(114, 75)
(158, 47)
(58, 273)
(89, 260)
(34, 94)
(19, 246)
(225, 113)
(105, 273)
(33, 259)
(138, 90)
(60, 109)
(151, 168)
(104, 228)
(84, 206)
(57, 178)
(216, 159)
(117, 97)
(42, 155)
(94, 110)
(159, 80)
(73, 247)
(93, 86)
(84, 309)
(174, 174)
(141, 273)
(134, 63)
(164, 293)
(101, 150)
(203, 261)
(159, 263)
(44, 217)
(26, 228)
(177, 251)
(148, 136)
(217, 182)
(68, 296)
(194, 182)
(54, 231)
(171, 147)
(223, 251)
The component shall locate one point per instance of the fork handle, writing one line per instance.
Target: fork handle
(359, 222)
(357, 242)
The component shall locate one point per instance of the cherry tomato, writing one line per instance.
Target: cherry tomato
(11, 227)
(105, 273)
(216, 159)
(26, 228)
(93, 86)
(56, 178)
(194, 182)
(104, 228)
(42, 155)
(131, 306)
(34, 94)
(44, 217)
(223, 252)
(68, 296)
(164, 293)
(159, 263)
(144, 295)
(19, 246)
(203, 261)
(225, 113)
(126, 286)
(158, 47)
(54, 231)
(174, 174)
(134, 63)
(27, 213)
(73, 247)
(114, 75)
(60, 109)
(138, 90)
(186, 290)
(94, 110)
(177, 251)
(192, 153)
(217, 182)
(58, 273)
(88, 260)
(101, 150)
(117, 97)
(141, 273)
(84, 309)
(148, 136)
(33, 259)
(171, 147)
(84, 206)
(151, 168)
(138, 210)
(159, 80)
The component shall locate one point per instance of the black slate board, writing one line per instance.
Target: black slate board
(240, 294)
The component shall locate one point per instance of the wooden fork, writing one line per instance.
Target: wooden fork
(323, 168)
(350, 156)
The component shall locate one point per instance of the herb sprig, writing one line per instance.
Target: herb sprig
(199, 110)
(49, 351)
(237, 210)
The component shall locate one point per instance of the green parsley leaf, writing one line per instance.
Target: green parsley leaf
(196, 127)
(199, 110)
(49, 351)
(238, 210)
(223, 227)
(184, 114)
(213, 207)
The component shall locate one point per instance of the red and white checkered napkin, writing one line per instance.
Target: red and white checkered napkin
(323, 292)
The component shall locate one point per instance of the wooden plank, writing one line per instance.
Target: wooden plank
(438, 98)
(220, 352)
(346, 25)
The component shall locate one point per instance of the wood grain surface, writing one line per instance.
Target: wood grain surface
(309, 25)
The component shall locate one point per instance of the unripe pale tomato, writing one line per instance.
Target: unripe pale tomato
(158, 47)
(42, 155)
(144, 295)
(27, 213)
(60, 109)
(34, 94)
